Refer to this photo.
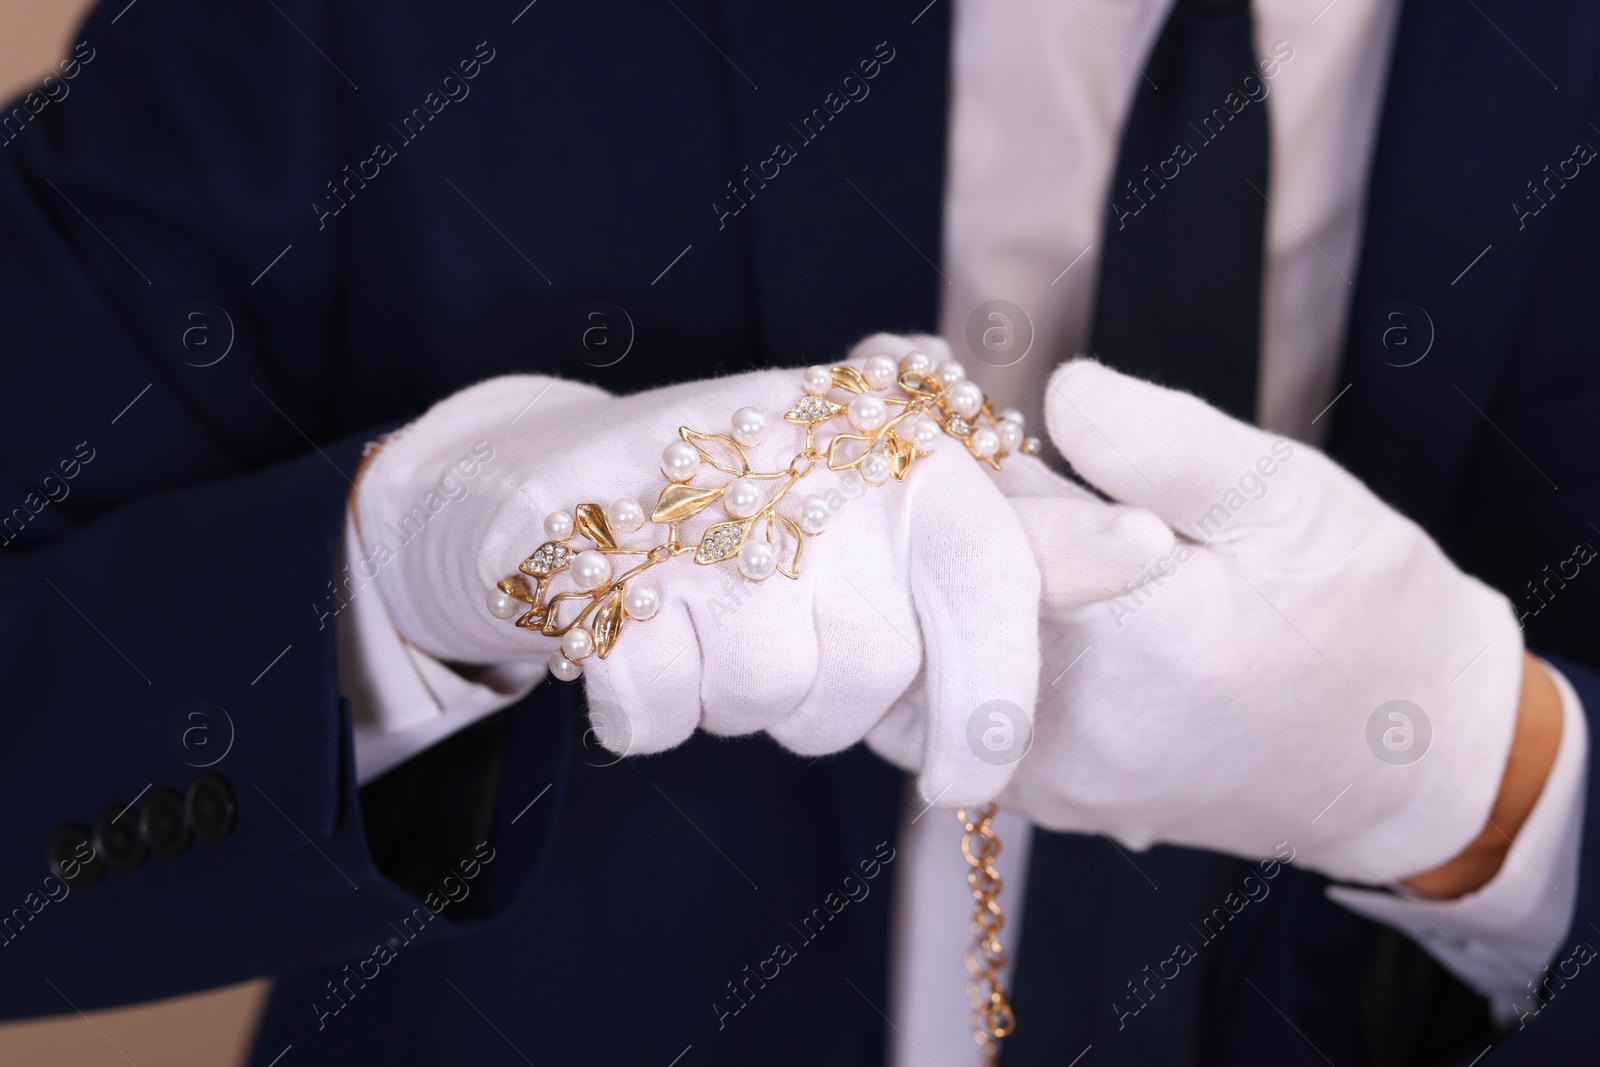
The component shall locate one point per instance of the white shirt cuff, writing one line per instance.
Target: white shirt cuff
(404, 700)
(1500, 939)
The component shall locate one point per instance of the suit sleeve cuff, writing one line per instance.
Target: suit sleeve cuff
(1502, 937)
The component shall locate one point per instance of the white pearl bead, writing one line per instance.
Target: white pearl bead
(641, 602)
(590, 569)
(577, 643)
(558, 525)
(867, 412)
(749, 426)
(625, 515)
(1010, 432)
(875, 470)
(985, 442)
(814, 514)
(818, 380)
(502, 605)
(965, 399)
(758, 560)
(680, 461)
(916, 363)
(565, 669)
(1031, 446)
(950, 372)
(742, 498)
(925, 434)
(1011, 415)
(880, 371)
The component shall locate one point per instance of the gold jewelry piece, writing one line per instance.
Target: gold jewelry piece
(885, 436)
(992, 1018)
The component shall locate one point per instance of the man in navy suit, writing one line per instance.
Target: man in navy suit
(251, 239)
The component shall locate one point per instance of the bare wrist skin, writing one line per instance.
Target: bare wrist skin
(1533, 753)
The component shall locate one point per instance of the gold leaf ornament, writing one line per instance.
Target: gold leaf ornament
(680, 502)
(722, 541)
(591, 522)
(608, 623)
(850, 380)
(899, 452)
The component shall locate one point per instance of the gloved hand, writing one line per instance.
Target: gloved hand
(931, 576)
(1239, 695)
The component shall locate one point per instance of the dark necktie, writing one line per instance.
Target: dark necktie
(1179, 302)
(1180, 276)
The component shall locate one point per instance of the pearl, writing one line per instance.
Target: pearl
(950, 372)
(814, 514)
(742, 498)
(875, 469)
(565, 669)
(880, 371)
(867, 412)
(577, 643)
(680, 461)
(1010, 434)
(590, 569)
(916, 363)
(818, 380)
(749, 426)
(985, 442)
(625, 515)
(758, 560)
(1011, 415)
(641, 602)
(558, 525)
(965, 399)
(503, 605)
(925, 434)
(1031, 446)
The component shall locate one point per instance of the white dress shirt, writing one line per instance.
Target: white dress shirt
(1040, 90)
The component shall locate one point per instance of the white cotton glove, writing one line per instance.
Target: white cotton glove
(1087, 550)
(931, 576)
(1239, 697)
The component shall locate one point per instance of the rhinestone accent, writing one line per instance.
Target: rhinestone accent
(547, 559)
(958, 426)
(720, 542)
(812, 410)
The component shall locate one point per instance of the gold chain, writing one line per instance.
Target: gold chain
(992, 1018)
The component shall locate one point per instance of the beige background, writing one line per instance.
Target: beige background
(211, 1029)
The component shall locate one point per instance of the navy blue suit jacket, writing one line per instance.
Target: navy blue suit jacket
(240, 239)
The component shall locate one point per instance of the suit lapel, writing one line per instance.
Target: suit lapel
(1478, 104)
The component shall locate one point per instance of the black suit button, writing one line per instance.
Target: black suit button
(209, 807)
(72, 858)
(161, 824)
(117, 840)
